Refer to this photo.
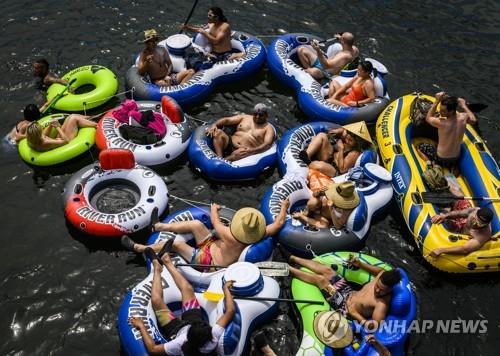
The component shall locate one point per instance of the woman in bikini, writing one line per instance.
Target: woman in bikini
(31, 113)
(335, 152)
(362, 88)
(39, 139)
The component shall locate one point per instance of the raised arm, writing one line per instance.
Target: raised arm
(373, 270)
(228, 315)
(273, 228)
(223, 232)
(471, 118)
(431, 118)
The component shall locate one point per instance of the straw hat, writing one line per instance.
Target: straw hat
(248, 226)
(359, 129)
(149, 35)
(343, 195)
(332, 329)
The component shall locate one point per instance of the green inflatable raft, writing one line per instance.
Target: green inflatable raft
(80, 144)
(103, 81)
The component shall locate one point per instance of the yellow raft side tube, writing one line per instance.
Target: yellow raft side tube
(480, 177)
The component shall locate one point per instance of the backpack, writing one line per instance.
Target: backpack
(138, 134)
(419, 109)
(418, 112)
(196, 60)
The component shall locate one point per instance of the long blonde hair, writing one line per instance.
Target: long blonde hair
(34, 134)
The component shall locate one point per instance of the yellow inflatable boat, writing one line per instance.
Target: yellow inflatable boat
(480, 177)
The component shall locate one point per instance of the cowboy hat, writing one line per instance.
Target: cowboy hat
(149, 35)
(332, 329)
(359, 129)
(248, 226)
(343, 195)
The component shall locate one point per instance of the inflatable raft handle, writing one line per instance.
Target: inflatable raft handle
(116, 158)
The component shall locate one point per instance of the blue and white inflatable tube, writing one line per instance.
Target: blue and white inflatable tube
(298, 138)
(205, 80)
(249, 313)
(204, 159)
(258, 252)
(283, 63)
(373, 184)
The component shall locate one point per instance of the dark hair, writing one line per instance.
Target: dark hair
(43, 62)
(31, 112)
(485, 215)
(368, 67)
(390, 278)
(198, 335)
(219, 13)
(450, 102)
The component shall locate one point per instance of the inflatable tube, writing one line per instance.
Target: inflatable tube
(83, 141)
(374, 189)
(171, 146)
(402, 311)
(117, 171)
(480, 177)
(101, 78)
(205, 80)
(298, 138)
(260, 251)
(283, 63)
(205, 160)
(249, 313)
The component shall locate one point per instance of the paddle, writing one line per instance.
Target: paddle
(189, 16)
(215, 297)
(58, 96)
(268, 268)
(447, 198)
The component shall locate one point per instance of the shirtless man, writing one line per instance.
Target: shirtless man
(330, 206)
(371, 302)
(41, 70)
(253, 134)
(155, 62)
(478, 226)
(219, 36)
(451, 127)
(318, 65)
(223, 245)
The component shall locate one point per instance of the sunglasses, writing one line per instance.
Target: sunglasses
(211, 16)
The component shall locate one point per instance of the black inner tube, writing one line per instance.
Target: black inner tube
(114, 196)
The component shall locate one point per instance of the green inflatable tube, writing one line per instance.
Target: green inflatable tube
(301, 290)
(80, 144)
(101, 78)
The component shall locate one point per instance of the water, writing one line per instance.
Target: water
(60, 294)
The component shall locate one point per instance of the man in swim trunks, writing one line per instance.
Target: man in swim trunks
(221, 246)
(190, 334)
(41, 70)
(253, 134)
(219, 36)
(371, 302)
(155, 62)
(478, 226)
(451, 128)
(318, 65)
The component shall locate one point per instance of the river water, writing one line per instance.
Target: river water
(60, 294)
